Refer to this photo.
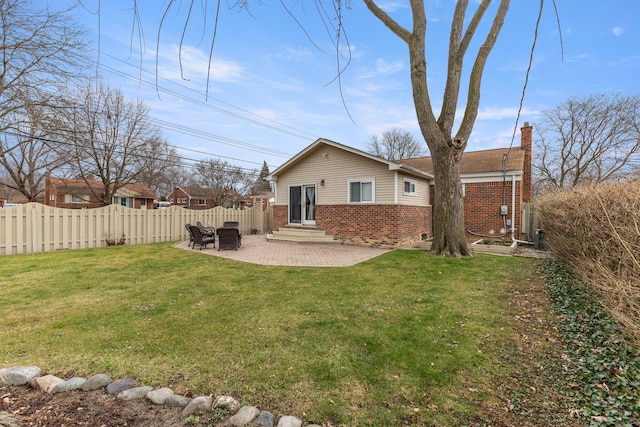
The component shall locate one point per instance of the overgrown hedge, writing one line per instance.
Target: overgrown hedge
(595, 230)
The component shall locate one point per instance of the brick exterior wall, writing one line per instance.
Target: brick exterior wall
(482, 203)
(385, 226)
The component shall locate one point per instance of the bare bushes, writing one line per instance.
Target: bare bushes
(595, 229)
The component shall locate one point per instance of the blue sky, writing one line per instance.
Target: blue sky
(272, 90)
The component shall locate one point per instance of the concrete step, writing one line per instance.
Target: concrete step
(301, 235)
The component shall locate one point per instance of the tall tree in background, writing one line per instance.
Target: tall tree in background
(395, 144)
(41, 49)
(160, 166)
(261, 185)
(29, 155)
(590, 139)
(225, 182)
(108, 138)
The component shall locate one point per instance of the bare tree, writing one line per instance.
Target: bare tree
(445, 147)
(395, 144)
(224, 181)
(28, 154)
(108, 138)
(40, 50)
(159, 166)
(590, 139)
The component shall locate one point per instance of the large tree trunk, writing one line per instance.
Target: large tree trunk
(448, 213)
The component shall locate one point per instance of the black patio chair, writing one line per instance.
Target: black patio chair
(207, 231)
(188, 227)
(228, 238)
(201, 239)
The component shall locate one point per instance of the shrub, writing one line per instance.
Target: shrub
(595, 230)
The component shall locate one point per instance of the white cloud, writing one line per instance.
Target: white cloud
(617, 30)
(195, 65)
(392, 6)
(386, 68)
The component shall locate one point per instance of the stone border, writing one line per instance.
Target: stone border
(129, 389)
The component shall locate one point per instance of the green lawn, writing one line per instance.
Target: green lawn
(397, 339)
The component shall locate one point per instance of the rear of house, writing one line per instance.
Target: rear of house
(356, 197)
(362, 199)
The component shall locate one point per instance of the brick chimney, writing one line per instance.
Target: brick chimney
(526, 133)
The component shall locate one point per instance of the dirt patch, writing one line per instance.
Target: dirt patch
(83, 408)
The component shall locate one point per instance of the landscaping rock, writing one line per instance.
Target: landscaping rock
(198, 403)
(244, 416)
(47, 383)
(68, 385)
(96, 381)
(134, 393)
(265, 419)
(177, 401)
(18, 375)
(289, 421)
(160, 395)
(121, 385)
(228, 403)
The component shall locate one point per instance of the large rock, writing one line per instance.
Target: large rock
(265, 419)
(68, 385)
(202, 403)
(18, 375)
(134, 393)
(160, 395)
(244, 416)
(177, 401)
(289, 421)
(121, 385)
(96, 381)
(228, 403)
(47, 383)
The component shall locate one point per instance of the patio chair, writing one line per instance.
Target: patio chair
(188, 227)
(207, 231)
(233, 224)
(201, 239)
(228, 238)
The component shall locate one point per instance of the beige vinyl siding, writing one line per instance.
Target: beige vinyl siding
(336, 167)
(422, 191)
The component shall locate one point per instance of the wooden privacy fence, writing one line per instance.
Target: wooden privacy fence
(34, 227)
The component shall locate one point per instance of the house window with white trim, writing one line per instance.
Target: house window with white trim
(361, 191)
(202, 202)
(79, 199)
(409, 187)
(184, 200)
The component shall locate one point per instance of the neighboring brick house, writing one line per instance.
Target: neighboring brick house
(366, 200)
(204, 198)
(190, 196)
(80, 194)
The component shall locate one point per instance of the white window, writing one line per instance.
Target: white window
(143, 202)
(171, 200)
(184, 200)
(52, 196)
(202, 202)
(362, 191)
(79, 199)
(409, 187)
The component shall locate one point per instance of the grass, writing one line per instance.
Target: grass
(399, 339)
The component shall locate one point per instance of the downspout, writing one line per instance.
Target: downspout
(513, 207)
